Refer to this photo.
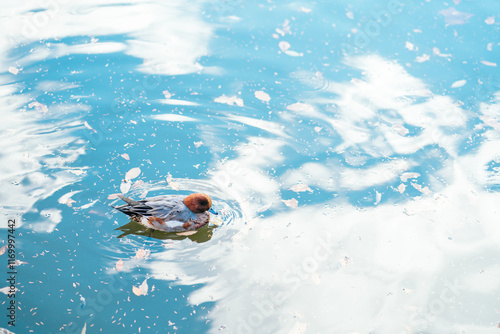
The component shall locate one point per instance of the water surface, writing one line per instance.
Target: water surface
(352, 149)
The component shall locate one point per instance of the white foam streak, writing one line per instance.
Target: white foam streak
(174, 118)
(268, 126)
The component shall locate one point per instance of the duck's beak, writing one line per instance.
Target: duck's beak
(213, 211)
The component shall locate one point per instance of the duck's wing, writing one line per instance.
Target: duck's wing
(170, 208)
(132, 207)
(149, 206)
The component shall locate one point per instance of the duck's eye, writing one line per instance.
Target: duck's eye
(203, 202)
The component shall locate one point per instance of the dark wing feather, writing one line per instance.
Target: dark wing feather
(133, 207)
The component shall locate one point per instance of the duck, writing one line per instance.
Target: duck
(169, 213)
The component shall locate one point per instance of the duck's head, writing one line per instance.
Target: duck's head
(198, 202)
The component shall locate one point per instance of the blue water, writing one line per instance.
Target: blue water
(352, 149)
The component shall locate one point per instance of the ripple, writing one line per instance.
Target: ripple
(229, 209)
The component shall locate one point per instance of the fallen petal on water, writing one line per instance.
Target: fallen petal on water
(301, 187)
(136, 291)
(263, 96)
(293, 203)
(133, 173)
(187, 233)
(3, 249)
(142, 253)
(125, 186)
(119, 265)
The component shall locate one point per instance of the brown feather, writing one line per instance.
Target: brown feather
(198, 202)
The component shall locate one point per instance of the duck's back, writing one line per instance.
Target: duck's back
(168, 207)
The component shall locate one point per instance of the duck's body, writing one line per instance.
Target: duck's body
(169, 213)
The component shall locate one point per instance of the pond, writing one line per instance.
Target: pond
(351, 148)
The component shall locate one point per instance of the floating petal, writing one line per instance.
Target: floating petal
(133, 173)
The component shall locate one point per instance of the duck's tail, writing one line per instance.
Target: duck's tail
(132, 207)
(129, 201)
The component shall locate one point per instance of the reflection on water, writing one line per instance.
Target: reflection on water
(351, 150)
(201, 235)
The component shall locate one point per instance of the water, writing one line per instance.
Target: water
(351, 148)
